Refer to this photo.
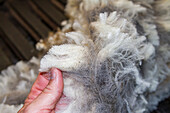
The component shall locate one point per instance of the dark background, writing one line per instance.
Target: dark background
(23, 23)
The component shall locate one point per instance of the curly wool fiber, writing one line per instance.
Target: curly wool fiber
(108, 71)
(111, 75)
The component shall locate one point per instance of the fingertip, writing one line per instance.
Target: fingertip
(57, 79)
(55, 72)
(52, 93)
(40, 83)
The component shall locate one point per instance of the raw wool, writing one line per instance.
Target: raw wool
(149, 27)
(9, 108)
(110, 80)
(57, 38)
(15, 84)
(125, 71)
(160, 94)
(159, 76)
(74, 91)
(147, 21)
(145, 2)
(81, 11)
(59, 56)
(162, 9)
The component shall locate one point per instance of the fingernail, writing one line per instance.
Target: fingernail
(47, 75)
(53, 73)
(57, 77)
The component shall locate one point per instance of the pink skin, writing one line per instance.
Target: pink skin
(46, 94)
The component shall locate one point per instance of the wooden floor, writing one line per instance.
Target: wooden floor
(23, 23)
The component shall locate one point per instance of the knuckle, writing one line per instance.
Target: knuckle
(48, 89)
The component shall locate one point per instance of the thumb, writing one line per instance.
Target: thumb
(47, 100)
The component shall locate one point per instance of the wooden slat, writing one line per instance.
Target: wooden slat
(23, 9)
(4, 59)
(15, 37)
(24, 24)
(58, 5)
(63, 2)
(47, 7)
(52, 24)
(7, 51)
(11, 45)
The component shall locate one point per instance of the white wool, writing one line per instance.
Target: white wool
(78, 38)
(162, 8)
(132, 9)
(113, 33)
(9, 108)
(79, 10)
(9, 78)
(122, 4)
(147, 2)
(65, 57)
(151, 32)
(91, 4)
(15, 84)
(148, 50)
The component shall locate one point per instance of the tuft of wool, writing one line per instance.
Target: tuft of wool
(9, 108)
(162, 9)
(126, 64)
(15, 84)
(107, 75)
(59, 56)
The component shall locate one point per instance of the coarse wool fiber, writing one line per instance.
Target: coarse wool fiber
(114, 58)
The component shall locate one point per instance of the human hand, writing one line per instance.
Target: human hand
(45, 94)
